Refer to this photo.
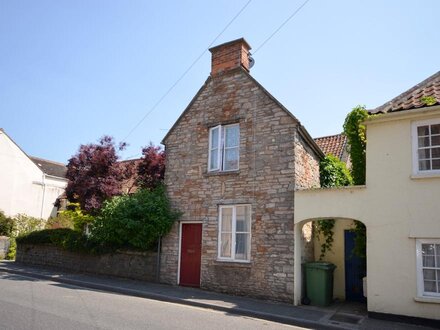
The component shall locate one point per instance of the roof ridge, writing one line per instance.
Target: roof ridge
(329, 136)
(47, 160)
(408, 92)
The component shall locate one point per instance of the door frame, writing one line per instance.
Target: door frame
(180, 245)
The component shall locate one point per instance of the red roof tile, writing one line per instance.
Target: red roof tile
(424, 94)
(335, 145)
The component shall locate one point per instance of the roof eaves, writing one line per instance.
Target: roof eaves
(186, 110)
(4, 132)
(404, 95)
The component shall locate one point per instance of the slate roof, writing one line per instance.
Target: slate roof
(50, 167)
(424, 94)
(333, 144)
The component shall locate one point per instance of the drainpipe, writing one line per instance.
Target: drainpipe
(158, 260)
(44, 195)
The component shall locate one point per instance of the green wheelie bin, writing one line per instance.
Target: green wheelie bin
(319, 282)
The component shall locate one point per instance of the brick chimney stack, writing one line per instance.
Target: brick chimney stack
(230, 55)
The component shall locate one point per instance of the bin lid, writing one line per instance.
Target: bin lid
(320, 265)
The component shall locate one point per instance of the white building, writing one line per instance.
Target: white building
(399, 206)
(28, 185)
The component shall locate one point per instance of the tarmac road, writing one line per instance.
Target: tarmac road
(29, 303)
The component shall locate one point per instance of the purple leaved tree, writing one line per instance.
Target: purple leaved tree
(151, 168)
(95, 174)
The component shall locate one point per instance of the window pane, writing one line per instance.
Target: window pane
(424, 165)
(430, 286)
(437, 249)
(435, 140)
(436, 164)
(435, 152)
(225, 247)
(423, 130)
(214, 137)
(429, 275)
(227, 219)
(213, 160)
(428, 249)
(232, 136)
(243, 219)
(429, 261)
(231, 159)
(241, 246)
(423, 142)
(435, 129)
(424, 153)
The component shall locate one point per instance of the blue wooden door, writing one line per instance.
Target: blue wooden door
(354, 270)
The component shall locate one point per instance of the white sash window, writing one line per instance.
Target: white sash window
(224, 148)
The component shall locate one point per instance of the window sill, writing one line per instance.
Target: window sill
(219, 173)
(426, 299)
(232, 263)
(425, 175)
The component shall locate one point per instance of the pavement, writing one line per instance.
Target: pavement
(336, 316)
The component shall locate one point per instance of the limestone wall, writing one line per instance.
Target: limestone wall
(134, 265)
(265, 180)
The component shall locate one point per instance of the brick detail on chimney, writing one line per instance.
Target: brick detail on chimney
(230, 55)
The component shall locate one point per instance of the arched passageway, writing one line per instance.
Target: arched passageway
(350, 267)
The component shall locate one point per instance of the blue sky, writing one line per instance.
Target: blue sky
(72, 71)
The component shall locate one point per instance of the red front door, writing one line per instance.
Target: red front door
(191, 253)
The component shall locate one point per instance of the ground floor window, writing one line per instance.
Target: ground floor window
(234, 232)
(428, 267)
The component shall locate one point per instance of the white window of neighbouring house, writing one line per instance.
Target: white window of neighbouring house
(428, 267)
(224, 145)
(234, 239)
(426, 146)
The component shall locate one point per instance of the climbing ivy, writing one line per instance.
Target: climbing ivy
(357, 141)
(356, 136)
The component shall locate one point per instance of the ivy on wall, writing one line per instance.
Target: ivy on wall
(357, 141)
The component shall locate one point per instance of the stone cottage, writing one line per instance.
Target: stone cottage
(234, 159)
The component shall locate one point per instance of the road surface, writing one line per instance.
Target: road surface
(28, 303)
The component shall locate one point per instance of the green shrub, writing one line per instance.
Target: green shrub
(77, 217)
(334, 173)
(134, 221)
(60, 221)
(24, 224)
(6, 225)
(65, 238)
(12, 249)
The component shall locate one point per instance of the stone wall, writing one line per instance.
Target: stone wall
(307, 176)
(134, 265)
(265, 180)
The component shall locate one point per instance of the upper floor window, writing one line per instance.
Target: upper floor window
(428, 267)
(426, 146)
(224, 142)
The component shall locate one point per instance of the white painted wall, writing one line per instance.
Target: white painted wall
(396, 207)
(24, 188)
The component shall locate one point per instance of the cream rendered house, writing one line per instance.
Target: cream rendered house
(28, 185)
(400, 206)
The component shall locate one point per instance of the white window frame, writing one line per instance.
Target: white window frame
(415, 146)
(221, 148)
(420, 280)
(234, 233)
